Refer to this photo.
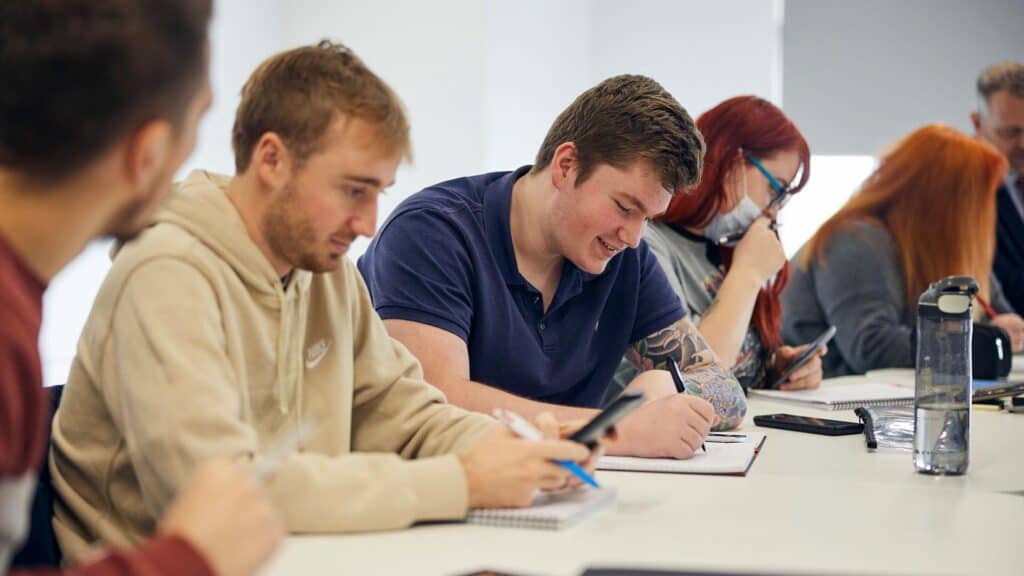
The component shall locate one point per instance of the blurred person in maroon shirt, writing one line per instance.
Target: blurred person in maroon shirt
(99, 107)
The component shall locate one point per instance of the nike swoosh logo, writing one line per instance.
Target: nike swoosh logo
(316, 353)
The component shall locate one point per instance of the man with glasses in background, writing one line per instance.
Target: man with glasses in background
(999, 120)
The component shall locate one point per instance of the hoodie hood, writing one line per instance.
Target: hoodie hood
(200, 205)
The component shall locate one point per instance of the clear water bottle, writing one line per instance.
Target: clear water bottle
(942, 393)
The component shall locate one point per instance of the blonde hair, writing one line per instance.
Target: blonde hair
(297, 94)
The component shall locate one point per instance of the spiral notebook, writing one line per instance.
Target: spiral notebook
(844, 396)
(550, 510)
(983, 389)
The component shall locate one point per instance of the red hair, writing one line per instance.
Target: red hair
(752, 125)
(935, 188)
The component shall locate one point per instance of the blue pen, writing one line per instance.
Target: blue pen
(522, 428)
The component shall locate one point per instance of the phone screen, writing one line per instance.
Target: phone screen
(809, 421)
(600, 424)
(812, 348)
(810, 424)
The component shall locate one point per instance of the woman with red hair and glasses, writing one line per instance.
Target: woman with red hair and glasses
(718, 245)
(926, 212)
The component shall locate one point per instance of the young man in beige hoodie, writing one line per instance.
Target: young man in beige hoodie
(236, 318)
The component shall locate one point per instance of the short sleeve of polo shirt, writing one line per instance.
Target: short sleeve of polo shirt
(658, 306)
(419, 269)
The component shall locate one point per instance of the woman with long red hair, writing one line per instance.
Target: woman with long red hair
(717, 242)
(923, 214)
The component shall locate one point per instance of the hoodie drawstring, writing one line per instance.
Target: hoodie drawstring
(283, 358)
(289, 350)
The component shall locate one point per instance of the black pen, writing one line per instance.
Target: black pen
(869, 427)
(737, 236)
(677, 378)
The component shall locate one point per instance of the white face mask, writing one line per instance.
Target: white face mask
(727, 229)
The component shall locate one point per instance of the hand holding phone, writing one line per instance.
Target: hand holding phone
(607, 418)
(522, 428)
(809, 352)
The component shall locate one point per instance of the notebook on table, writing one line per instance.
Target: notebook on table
(844, 396)
(720, 458)
(550, 510)
(983, 389)
(992, 389)
(903, 377)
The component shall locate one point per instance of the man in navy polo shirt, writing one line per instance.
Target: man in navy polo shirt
(522, 290)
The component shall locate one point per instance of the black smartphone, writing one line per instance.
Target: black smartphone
(812, 349)
(603, 422)
(809, 424)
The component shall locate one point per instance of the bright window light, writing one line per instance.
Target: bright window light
(66, 306)
(833, 180)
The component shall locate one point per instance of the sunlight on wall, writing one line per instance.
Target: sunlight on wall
(833, 180)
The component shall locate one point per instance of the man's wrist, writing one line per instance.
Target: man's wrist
(466, 463)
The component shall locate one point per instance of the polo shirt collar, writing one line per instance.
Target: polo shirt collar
(497, 215)
(497, 212)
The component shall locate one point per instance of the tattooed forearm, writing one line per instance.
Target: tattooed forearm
(703, 375)
(679, 341)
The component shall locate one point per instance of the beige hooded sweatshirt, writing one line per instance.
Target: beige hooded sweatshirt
(194, 350)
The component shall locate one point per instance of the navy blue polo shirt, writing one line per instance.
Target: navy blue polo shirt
(445, 258)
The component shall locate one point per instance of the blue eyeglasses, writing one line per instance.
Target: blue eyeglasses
(781, 194)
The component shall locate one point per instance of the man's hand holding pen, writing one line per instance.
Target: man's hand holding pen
(669, 425)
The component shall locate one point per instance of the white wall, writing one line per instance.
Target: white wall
(243, 33)
(702, 52)
(483, 79)
(542, 54)
(538, 58)
(432, 54)
(860, 75)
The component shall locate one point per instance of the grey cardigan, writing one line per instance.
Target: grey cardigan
(858, 287)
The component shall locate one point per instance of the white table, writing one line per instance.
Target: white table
(996, 454)
(810, 504)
